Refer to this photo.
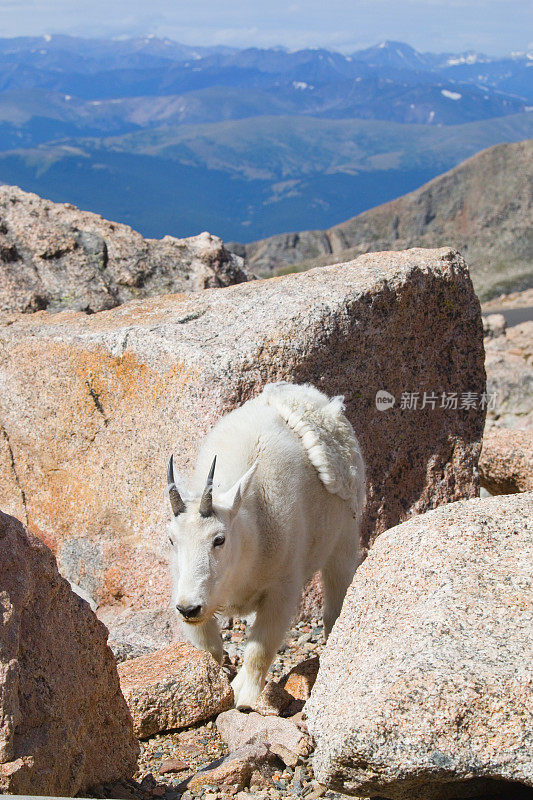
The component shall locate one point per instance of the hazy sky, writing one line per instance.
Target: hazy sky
(491, 26)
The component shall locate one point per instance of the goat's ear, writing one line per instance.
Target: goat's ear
(230, 501)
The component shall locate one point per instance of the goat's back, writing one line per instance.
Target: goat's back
(286, 428)
(254, 431)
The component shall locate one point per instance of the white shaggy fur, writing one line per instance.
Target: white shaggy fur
(325, 433)
(288, 492)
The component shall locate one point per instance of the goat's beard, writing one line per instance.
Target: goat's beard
(194, 622)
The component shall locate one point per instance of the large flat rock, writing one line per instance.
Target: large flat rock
(424, 687)
(93, 405)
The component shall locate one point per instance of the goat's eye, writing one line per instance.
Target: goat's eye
(170, 540)
(218, 541)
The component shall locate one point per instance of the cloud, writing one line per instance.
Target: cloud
(493, 25)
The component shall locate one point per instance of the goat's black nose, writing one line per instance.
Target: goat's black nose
(189, 612)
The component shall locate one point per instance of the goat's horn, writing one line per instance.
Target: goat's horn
(206, 503)
(178, 506)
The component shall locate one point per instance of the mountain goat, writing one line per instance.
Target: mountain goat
(284, 501)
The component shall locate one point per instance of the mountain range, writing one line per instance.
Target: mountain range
(246, 143)
(483, 208)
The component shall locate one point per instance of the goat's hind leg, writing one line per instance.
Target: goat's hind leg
(337, 575)
(206, 637)
(273, 617)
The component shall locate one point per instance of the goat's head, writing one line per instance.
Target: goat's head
(202, 533)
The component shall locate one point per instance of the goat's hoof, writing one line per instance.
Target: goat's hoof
(236, 686)
(245, 691)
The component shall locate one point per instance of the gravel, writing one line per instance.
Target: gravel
(200, 744)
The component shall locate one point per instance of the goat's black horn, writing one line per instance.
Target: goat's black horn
(178, 506)
(206, 503)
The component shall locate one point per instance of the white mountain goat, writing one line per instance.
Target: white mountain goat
(284, 501)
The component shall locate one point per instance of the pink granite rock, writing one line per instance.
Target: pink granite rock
(234, 771)
(287, 696)
(64, 725)
(173, 688)
(300, 680)
(509, 365)
(424, 688)
(54, 256)
(137, 632)
(237, 729)
(273, 700)
(506, 462)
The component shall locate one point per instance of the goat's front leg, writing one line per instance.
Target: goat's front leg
(206, 637)
(271, 622)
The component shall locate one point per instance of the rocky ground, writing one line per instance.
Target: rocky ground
(168, 760)
(522, 299)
